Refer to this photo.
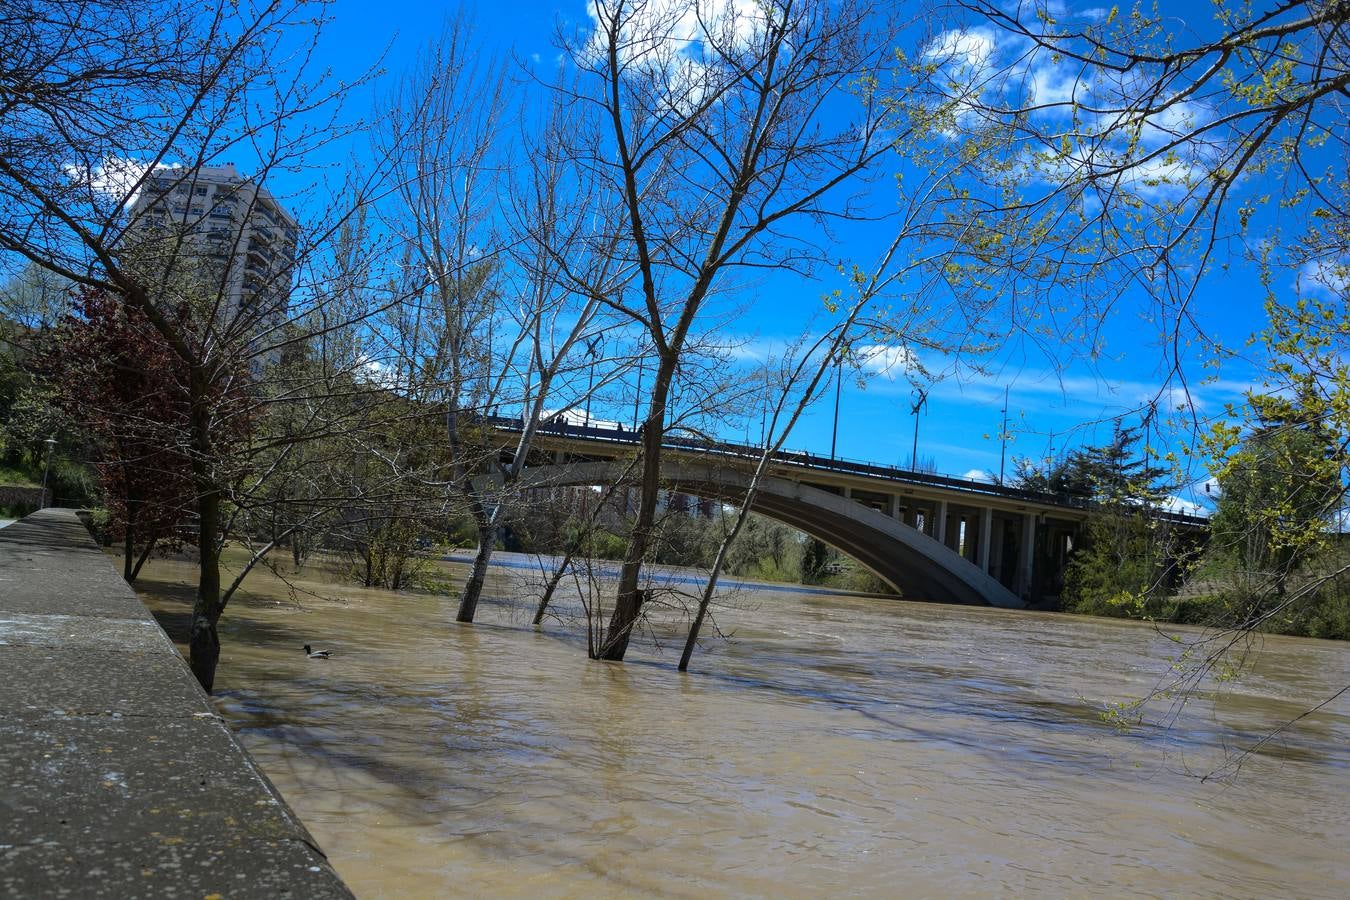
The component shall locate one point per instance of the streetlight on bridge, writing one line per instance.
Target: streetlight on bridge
(592, 350)
(920, 400)
(637, 394)
(838, 388)
(1003, 437)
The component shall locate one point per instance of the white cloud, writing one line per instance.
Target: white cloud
(965, 56)
(888, 361)
(967, 50)
(1172, 399)
(670, 37)
(1117, 166)
(1175, 119)
(114, 178)
(980, 475)
(1053, 83)
(375, 371)
(1327, 277)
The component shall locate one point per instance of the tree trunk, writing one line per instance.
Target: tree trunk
(473, 588)
(710, 588)
(204, 641)
(628, 601)
(554, 580)
(145, 554)
(128, 546)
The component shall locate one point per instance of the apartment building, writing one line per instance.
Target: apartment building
(228, 231)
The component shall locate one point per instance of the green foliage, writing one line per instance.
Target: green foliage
(28, 416)
(685, 540)
(97, 522)
(857, 577)
(1114, 571)
(1123, 552)
(604, 544)
(1277, 497)
(18, 476)
(1276, 561)
(766, 550)
(1118, 472)
(815, 560)
(384, 554)
(463, 534)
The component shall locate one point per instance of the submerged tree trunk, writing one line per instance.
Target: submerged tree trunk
(708, 590)
(554, 580)
(577, 547)
(628, 601)
(145, 554)
(473, 588)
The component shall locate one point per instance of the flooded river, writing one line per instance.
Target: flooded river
(833, 745)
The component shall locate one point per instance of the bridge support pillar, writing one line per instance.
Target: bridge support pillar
(940, 524)
(986, 534)
(893, 506)
(1026, 552)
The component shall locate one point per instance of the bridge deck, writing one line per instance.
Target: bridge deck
(805, 466)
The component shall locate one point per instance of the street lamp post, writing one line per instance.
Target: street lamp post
(591, 350)
(1003, 437)
(838, 388)
(637, 396)
(47, 466)
(764, 412)
(920, 398)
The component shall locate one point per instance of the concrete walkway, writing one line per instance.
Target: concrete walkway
(117, 777)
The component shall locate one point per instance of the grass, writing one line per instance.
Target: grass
(11, 477)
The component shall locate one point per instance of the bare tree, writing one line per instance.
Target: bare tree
(713, 137)
(498, 325)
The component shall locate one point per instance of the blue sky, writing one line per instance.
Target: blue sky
(1048, 410)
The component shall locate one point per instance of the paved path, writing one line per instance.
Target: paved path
(117, 777)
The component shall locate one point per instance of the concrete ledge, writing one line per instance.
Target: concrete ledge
(117, 777)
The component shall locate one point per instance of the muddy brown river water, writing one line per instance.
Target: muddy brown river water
(834, 745)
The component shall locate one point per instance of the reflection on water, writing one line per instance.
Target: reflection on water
(835, 744)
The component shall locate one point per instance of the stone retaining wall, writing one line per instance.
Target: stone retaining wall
(14, 497)
(117, 777)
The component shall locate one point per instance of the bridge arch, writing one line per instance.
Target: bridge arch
(910, 561)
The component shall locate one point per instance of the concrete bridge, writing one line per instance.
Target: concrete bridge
(930, 537)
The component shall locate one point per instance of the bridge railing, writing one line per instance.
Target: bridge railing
(806, 459)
